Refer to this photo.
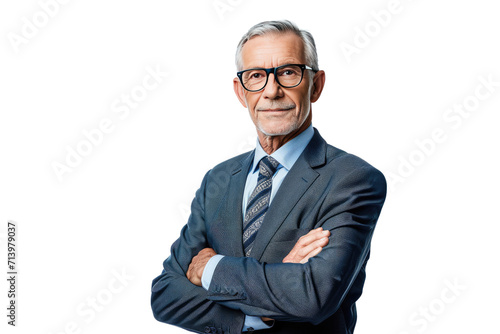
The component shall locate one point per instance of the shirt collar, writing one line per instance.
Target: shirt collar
(288, 153)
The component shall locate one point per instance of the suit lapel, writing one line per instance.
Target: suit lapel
(300, 177)
(233, 209)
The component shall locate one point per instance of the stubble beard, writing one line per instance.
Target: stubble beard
(287, 129)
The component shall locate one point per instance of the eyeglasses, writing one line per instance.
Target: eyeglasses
(287, 76)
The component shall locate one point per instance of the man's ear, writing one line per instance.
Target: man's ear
(318, 84)
(240, 91)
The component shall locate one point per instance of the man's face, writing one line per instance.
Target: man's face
(276, 110)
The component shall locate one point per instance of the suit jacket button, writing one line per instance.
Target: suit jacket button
(207, 329)
(213, 330)
(250, 329)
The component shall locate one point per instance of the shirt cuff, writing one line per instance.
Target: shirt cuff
(254, 323)
(208, 272)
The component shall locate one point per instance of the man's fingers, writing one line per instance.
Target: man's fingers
(197, 265)
(207, 252)
(312, 254)
(308, 246)
(311, 237)
(313, 246)
(189, 272)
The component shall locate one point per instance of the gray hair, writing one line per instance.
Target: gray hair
(280, 27)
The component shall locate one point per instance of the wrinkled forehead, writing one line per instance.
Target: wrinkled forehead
(273, 49)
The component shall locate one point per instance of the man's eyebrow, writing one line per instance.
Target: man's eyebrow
(279, 64)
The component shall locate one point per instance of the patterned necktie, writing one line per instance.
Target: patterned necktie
(258, 202)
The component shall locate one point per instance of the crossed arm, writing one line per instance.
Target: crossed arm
(291, 291)
(306, 247)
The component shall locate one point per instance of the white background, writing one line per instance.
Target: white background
(122, 207)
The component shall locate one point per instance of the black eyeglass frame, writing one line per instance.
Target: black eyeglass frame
(273, 70)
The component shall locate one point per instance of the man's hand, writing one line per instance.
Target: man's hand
(197, 265)
(307, 246)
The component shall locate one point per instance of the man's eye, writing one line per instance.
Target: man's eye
(288, 71)
(256, 75)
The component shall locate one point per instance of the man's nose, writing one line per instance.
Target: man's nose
(273, 89)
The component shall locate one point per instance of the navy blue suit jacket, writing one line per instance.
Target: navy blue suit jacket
(326, 187)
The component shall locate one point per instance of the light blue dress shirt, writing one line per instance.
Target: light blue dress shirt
(286, 155)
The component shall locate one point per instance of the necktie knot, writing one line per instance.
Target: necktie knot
(268, 166)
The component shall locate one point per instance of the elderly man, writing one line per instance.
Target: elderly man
(279, 237)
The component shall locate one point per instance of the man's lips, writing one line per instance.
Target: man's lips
(275, 109)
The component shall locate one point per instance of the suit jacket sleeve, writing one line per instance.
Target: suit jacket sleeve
(175, 300)
(313, 291)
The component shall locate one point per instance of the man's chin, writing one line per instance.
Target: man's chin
(273, 131)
